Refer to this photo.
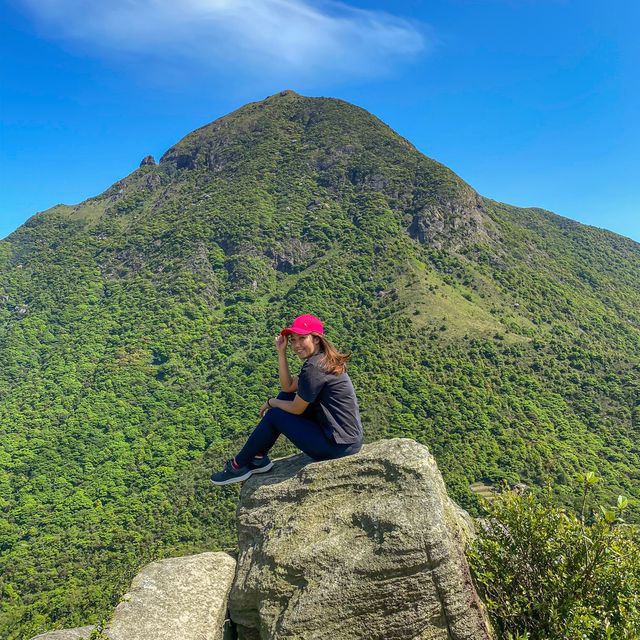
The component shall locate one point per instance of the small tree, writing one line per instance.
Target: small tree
(548, 574)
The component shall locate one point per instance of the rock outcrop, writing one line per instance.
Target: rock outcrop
(368, 547)
(147, 160)
(174, 599)
(177, 598)
(364, 547)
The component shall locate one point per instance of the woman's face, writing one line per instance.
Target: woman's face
(304, 346)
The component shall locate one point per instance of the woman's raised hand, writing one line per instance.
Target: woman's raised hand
(281, 343)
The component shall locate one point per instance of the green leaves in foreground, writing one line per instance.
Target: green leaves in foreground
(547, 574)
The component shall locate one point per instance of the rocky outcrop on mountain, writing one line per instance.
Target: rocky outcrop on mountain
(368, 547)
(450, 223)
(289, 254)
(175, 598)
(364, 547)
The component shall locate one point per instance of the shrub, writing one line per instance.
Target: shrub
(548, 574)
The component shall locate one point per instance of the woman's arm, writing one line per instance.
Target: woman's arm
(287, 381)
(295, 406)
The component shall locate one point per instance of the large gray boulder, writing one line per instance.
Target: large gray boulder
(365, 547)
(176, 599)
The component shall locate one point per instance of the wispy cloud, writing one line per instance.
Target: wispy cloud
(300, 36)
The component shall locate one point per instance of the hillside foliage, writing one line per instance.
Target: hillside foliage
(548, 574)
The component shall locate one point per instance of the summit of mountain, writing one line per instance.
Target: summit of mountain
(313, 149)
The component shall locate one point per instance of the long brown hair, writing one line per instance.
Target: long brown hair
(332, 360)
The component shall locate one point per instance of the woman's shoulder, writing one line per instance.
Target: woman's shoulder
(318, 363)
(314, 360)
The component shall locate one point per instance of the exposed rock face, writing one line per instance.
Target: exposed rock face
(289, 254)
(147, 160)
(178, 598)
(174, 599)
(450, 223)
(79, 633)
(364, 547)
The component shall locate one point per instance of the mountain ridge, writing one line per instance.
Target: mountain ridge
(172, 156)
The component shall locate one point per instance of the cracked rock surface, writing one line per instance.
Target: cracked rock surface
(365, 547)
(176, 599)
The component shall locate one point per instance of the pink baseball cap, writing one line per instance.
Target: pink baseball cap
(304, 325)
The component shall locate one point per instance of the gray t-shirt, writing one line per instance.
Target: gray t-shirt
(332, 399)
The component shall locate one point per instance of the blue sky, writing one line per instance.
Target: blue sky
(533, 102)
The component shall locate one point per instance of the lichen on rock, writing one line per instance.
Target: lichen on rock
(364, 547)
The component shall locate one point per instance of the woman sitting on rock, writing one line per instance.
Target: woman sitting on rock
(317, 410)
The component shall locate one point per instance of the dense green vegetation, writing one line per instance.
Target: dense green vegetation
(136, 341)
(546, 574)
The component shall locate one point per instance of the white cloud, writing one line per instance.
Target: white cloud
(302, 36)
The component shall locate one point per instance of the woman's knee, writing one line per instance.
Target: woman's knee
(275, 415)
(286, 395)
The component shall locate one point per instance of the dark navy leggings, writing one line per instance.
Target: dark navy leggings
(304, 433)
